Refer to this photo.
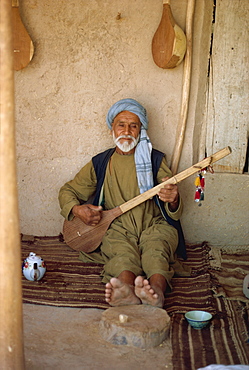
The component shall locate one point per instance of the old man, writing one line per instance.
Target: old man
(139, 249)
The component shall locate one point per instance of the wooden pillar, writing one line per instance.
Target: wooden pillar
(181, 128)
(11, 327)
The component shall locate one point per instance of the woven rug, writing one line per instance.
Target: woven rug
(70, 283)
(229, 266)
(224, 341)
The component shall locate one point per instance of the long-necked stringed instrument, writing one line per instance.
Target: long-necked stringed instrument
(82, 237)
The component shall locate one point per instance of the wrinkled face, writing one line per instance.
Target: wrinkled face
(125, 130)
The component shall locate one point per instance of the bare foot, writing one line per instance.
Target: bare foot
(118, 293)
(147, 294)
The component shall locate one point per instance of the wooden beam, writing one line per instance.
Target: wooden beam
(181, 127)
(11, 334)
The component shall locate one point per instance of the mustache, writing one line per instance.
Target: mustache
(125, 147)
(124, 137)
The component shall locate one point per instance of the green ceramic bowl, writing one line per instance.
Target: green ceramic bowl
(198, 319)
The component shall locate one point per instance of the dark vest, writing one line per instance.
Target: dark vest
(100, 162)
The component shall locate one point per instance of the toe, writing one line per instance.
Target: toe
(146, 282)
(115, 283)
(139, 281)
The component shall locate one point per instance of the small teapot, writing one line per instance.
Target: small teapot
(33, 267)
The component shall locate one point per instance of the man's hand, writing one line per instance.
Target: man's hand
(89, 214)
(170, 194)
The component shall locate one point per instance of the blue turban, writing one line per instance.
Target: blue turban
(144, 147)
(130, 105)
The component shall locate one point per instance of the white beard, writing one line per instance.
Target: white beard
(125, 146)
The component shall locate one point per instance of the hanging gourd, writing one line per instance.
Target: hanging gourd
(22, 43)
(169, 41)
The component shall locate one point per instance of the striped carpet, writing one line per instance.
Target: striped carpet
(225, 341)
(70, 283)
(229, 266)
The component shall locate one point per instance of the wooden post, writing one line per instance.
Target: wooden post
(181, 128)
(11, 327)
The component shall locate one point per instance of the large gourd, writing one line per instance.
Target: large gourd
(169, 41)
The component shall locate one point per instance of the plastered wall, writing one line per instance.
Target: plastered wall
(89, 54)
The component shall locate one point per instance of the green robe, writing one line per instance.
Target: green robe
(140, 240)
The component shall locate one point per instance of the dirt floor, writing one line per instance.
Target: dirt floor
(64, 338)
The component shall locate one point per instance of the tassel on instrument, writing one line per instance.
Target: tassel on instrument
(199, 186)
(197, 195)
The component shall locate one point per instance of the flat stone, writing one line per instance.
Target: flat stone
(140, 326)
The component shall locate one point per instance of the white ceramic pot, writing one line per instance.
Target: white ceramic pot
(33, 267)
